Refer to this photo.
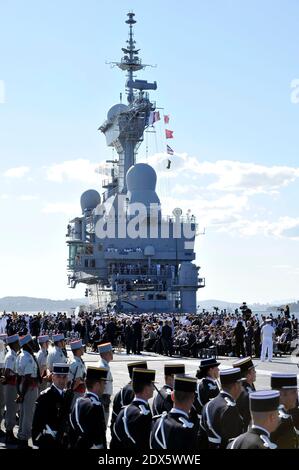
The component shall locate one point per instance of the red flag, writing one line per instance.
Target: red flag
(166, 118)
(168, 134)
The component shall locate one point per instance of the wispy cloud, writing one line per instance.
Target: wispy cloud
(66, 208)
(27, 197)
(283, 227)
(17, 172)
(229, 175)
(77, 170)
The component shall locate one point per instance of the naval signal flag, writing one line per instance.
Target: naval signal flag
(153, 117)
(168, 134)
(169, 150)
(166, 118)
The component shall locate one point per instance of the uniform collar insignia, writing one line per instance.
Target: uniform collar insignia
(143, 410)
(267, 443)
(186, 423)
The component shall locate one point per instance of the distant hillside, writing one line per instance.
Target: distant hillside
(294, 306)
(32, 304)
(270, 307)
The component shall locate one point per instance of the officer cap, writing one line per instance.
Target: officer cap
(12, 339)
(143, 376)
(210, 362)
(96, 373)
(184, 383)
(76, 344)
(25, 340)
(229, 376)
(60, 368)
(245, 364)
(43, 339)
(264, 400)
(105, 347)
(138, 365)
(58, 337)
(171, 369)
(279, 381)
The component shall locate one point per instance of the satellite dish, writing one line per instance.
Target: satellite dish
(177, 212)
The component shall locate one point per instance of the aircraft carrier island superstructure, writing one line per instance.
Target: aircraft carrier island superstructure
(130, 257)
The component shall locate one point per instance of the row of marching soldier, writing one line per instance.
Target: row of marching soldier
(63, 404)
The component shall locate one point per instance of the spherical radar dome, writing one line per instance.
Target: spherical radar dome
(89, 200)
(141, 176)
(115, 110)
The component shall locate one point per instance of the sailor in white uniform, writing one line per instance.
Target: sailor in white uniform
(268, 334)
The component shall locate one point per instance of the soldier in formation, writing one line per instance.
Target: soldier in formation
(265, 420)
(88, 427)
(163, 400)
(132, 427)
(106, 356)
(286, 436)
(173, 430)
(248, 378)
(126, 394)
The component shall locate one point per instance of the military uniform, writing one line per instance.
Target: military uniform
(77, 371)
(258, 437)
(163, 401)
(42, 358)
(286, 436)
(88, 428)
(27, 371)
(174, 431)
(88, 423)
(108, 391)
(207, 387)
(132, 427)
(56, 355)
(246, 365)
(50, 412)
(126, 395)
(10, 387)
(220, 420)
(255, 438)
(243, 402)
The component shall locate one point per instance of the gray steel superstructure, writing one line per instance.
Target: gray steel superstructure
(131, 258)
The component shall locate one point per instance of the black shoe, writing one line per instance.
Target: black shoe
(10, 438)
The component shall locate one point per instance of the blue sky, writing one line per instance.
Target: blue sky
(224, 73)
